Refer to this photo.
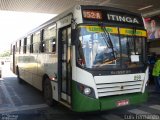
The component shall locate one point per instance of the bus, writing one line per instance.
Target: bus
(89, 58)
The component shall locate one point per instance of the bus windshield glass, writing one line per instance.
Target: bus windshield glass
(110, 47)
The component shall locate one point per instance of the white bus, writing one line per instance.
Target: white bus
(89, 58)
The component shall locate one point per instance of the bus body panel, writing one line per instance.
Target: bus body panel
(64, 21)
(26, 66)
(32, 67)
(74, 68)
(47, 64)
(82, 103)
(77, 14)
(86, 78)
(55, 90)
(146, 80)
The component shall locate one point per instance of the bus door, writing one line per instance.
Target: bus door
(65, 64)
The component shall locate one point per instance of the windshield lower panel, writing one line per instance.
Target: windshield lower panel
(104, 47)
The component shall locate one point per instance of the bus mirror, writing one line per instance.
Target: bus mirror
(73, 36)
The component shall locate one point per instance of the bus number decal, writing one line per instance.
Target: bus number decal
(137, 77)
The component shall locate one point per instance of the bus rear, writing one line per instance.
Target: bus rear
(109, 51)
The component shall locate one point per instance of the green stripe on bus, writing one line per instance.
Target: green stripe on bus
(82, 103)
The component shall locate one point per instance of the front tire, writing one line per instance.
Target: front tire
(48, 92)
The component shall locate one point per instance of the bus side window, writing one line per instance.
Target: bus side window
(16, 47)
(36, 41)
(42, 47)
(41, 44)
(31, 44)
(49, 42)
(54, 45)
(28, 44)
(19, 50)
(25, 45)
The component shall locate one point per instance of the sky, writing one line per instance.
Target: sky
(14, 25)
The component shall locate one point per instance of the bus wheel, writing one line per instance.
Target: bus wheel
(48, 92)
(18, 77)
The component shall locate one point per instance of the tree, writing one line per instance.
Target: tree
(5, 53)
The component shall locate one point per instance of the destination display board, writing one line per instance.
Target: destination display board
(109, 16)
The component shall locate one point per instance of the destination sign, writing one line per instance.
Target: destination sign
(90, 14)
(121, 18)
(102, 15)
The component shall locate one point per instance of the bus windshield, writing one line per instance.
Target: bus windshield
(115, 48)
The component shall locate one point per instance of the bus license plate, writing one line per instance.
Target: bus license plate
(122, 103)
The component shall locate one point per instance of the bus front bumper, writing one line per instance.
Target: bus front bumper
(122, 100)
(82, 103)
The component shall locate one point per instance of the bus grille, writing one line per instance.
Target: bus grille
(118, 88)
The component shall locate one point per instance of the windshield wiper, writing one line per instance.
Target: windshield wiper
(108, 39)
(128, 48)
(134, 39)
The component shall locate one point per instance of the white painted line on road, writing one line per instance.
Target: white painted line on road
(157, 107)
(112, 117)
(6, 93)
(16, 95)
(22, 108)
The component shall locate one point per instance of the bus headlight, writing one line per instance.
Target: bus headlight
(86, 90)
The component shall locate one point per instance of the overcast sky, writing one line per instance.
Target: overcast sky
(14, 25)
